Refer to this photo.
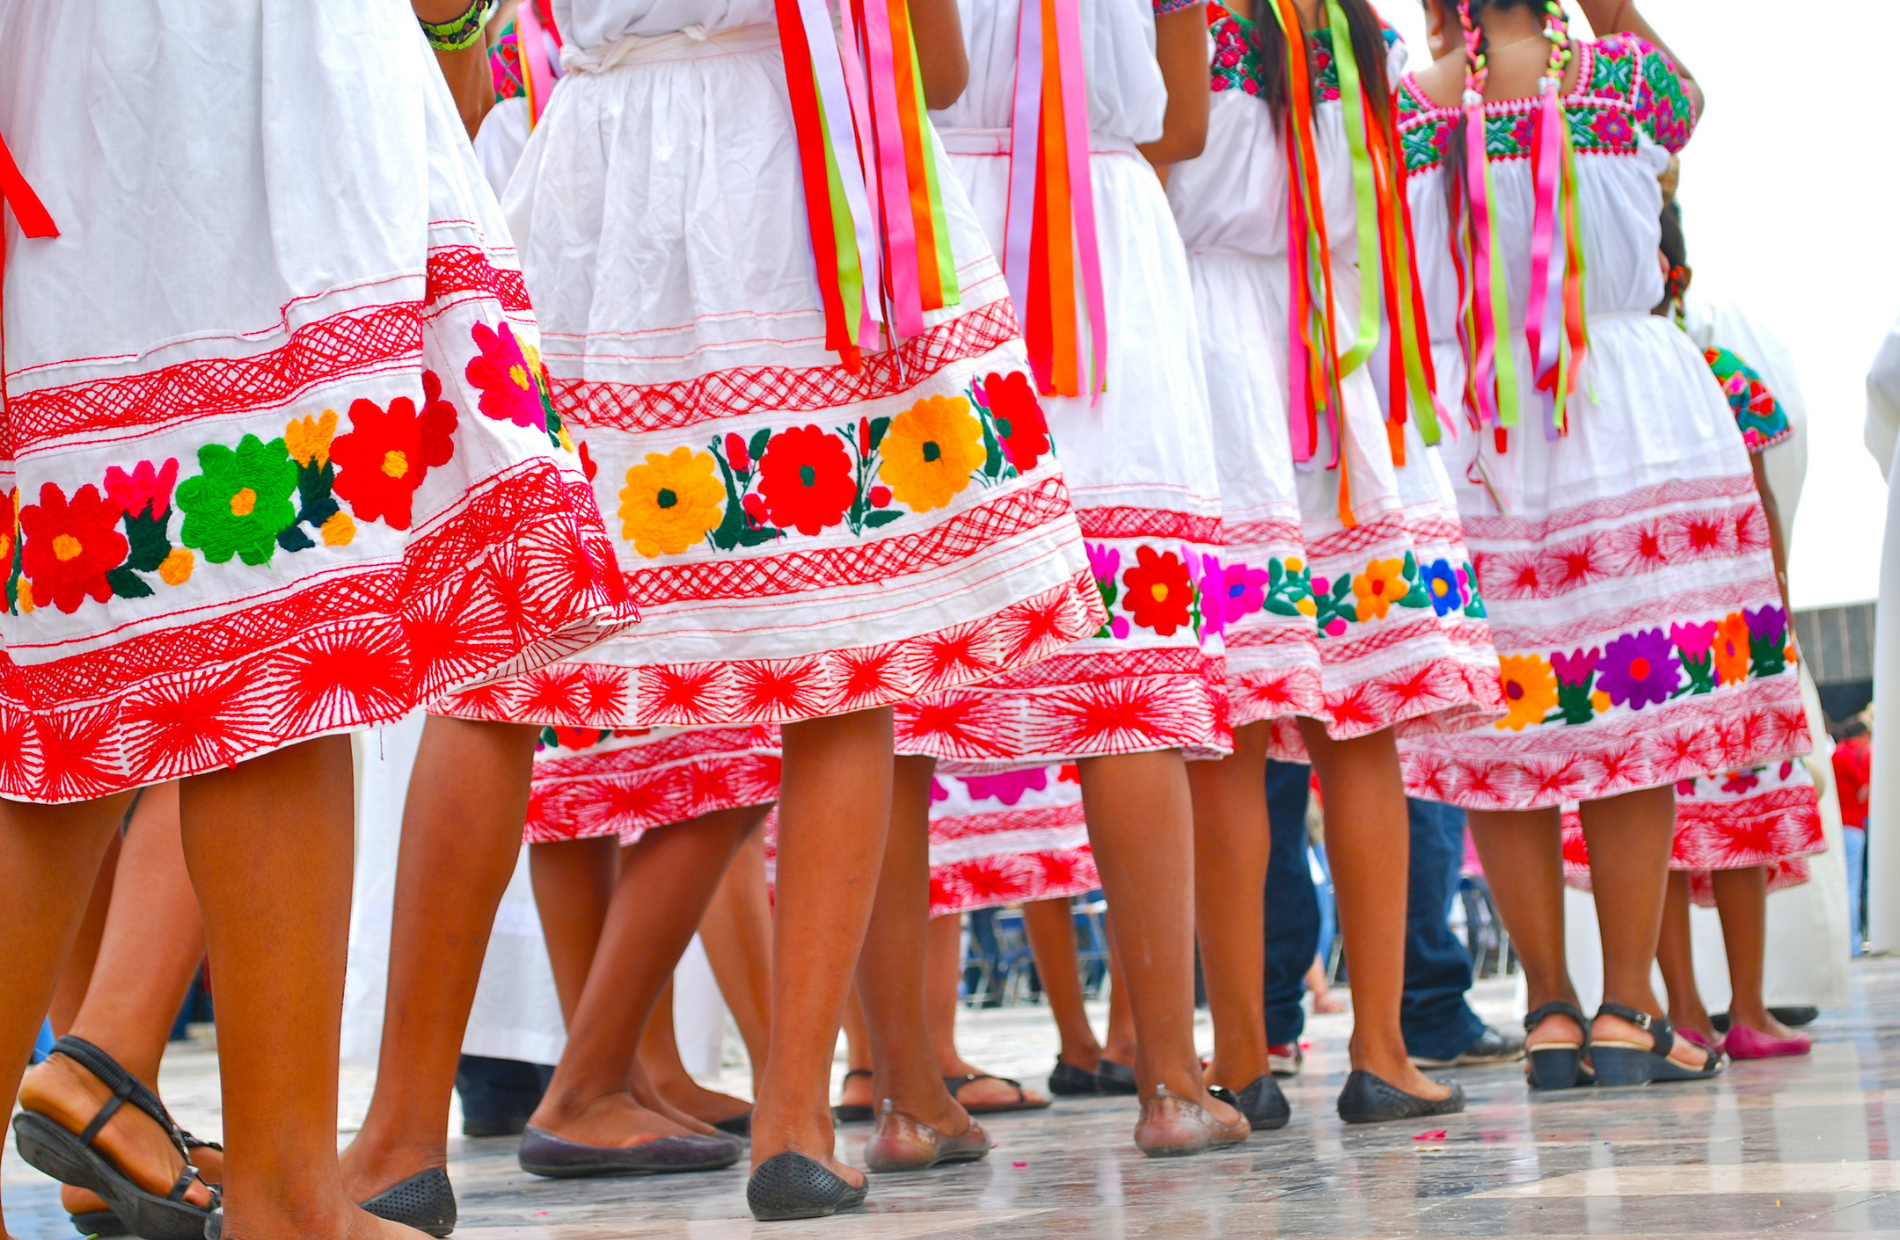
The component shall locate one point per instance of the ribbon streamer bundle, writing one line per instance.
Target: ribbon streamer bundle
(1051, 228)
(1554, 325)
(34, 222)
(1391, 300)
(532, 35)
(873, 186)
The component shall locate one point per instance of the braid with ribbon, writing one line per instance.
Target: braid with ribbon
(1493, 367)
(1554, 322)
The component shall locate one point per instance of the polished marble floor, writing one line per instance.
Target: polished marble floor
(1792, 1147)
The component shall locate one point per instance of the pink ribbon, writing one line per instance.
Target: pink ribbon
(893, 179)
(1075, 117)
(1544, 325)
(534, 60)
(1484, 359)
(1025, 148)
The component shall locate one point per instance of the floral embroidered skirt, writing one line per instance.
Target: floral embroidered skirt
(1761, 816)
(269, 470)
(1632, 595)
(1140, 463)
(1008, 838)
(1375, 625)
(592, 782)
(803, 539)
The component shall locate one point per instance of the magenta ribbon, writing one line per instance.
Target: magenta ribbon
(532, 40)
(1075, 119)
(1544, 317)
(1025, 147)
(1484, 356)
(893, 178)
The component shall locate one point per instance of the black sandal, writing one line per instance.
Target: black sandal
(853, 1113)
(1022, 1103)
(104, 1223)
(1558, 1065)
(1627, 1063)
(71, 1158)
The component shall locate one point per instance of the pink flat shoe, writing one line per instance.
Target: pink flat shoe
(1690, 1035)
(1745, 1043)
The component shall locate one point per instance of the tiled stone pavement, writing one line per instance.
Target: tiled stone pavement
(1791, 1147)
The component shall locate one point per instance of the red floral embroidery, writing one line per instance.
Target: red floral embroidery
(502, 372)
(384, 457)
(9, 522)
(71, 546)
(1019, 421)
(1159, 591)
(805, 479)
(145, 488)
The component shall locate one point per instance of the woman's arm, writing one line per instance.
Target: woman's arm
(466, 71)
(1775, 547)
(941, 59)
(1609, 17)
(1181, 47)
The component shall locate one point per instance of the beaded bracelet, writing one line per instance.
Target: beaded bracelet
(460, 33)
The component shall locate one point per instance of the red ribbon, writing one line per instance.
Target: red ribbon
(27, 207)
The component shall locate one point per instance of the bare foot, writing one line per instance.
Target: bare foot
(649, 1097)
(1615, 1029)
(614, 1121)
(70, 1096)
(705, 1105)
(990, 1091)
(1326, 1003)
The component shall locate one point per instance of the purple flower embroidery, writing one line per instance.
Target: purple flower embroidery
(1613, 128)
(1575, 668)
(937, 791)
(1118, 628)
(1104, 561)
(1766, 623)
(1007, 787)
(1243, 591)
(1693, 640)
(1640, 669)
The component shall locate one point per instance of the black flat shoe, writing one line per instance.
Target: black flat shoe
(853, 1113)
(739, 1126)
(99, 1223)
(1630, 1063)
(1115, 1078)
(1368, 1099)
(71, 1157)
(424, 1201)
(1261, 1102)
(543, 1153)
(790, 1185)
(1069, 1081)
(1558, 1065)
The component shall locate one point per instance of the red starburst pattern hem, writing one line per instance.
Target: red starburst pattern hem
(515, 577)
(1075, 706)
(831, 682)
(627, 792)
(1012, 878)
(1434, 698)
(1743, 726)
(1778, 829)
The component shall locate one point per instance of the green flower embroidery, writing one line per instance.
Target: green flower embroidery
(240, 500)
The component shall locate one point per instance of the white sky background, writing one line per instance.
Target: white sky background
(1791, 206)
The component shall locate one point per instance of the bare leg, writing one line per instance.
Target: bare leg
(461, 835)
(1324, 1000)
(1741, 897)
(943, 973)
(660, 1056)
(834, 813)
(276, 904)
(573, 885)
(76, 978)
(737, 932)
(49, 864)
(1141, 826)
(892, 965)
(1120, 1045)
(600, 1094)
(1050, 928)
(1231, 845)
(1368, 841)
(1523, 857)
(153, 943)
(857, 1055)
(1630, 837)
(1676, 956)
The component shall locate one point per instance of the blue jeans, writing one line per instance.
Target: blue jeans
(1855, 840)
(1433, 1014)
(1293, 914)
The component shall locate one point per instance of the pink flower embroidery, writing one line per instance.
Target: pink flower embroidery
(507, 384)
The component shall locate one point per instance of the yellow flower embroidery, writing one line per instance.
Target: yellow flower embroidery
(176, 568)
(338, 530)
(309, 438)
(1530, 690)
(671, 502)
(1600, 701)
(1380, 586)
(930, 451)
(25, 595)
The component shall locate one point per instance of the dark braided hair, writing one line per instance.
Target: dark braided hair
(1368, 49)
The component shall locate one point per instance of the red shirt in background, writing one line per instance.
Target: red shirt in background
(1853, 765)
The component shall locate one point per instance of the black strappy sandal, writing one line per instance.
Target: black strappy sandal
(71, 1158)
(1627, 1063)
(853, 1113)
(1558, 1065)
(1022, 1103)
